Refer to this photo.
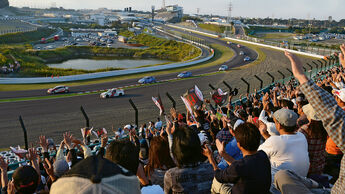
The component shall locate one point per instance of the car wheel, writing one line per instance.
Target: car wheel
(66, 91)
(107, 96)
(120, 94)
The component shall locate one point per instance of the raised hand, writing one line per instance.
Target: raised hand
(206, 151)
(67, 138)
(297, 68)
(220, 146)
(43, 143)
(342, 55)
(10, 188)
(3, 164)
(49, 168)
(104, 141)
(32, 155)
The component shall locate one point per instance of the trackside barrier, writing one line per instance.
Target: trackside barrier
(24, 132)
(227, 85)
(248, 85)
(249, 42)
(282, 76)
(87, 121)
(261, 82)
(311, 70)
(136, 112)
(212, 87)
(172, 100)
(268, 73)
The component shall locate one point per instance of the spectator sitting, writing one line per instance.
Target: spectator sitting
(159, 161)
(190, 175)
(231, 148)
(96, 175)
(251, 174)
(316, 137)
(289, 150)
(124, 153)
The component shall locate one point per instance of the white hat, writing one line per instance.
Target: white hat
(340, 94)
(310, 112)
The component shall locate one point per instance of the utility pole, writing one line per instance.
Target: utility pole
(229, 18)
(153, 12)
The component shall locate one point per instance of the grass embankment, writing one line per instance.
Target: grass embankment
(221, 55)
(212, 27)
(26, 37)
(33, 62)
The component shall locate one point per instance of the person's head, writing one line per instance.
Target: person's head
(158, 119)
(316, 129)
(247, 136)
(256, 112)
(144, 150)
(286, 104)
(285, 120)
(186, 147)
(60, 167)
(159, 155)
(242, 114)
(124, 153)
(96, 174)
(25, 180)
(234, 123)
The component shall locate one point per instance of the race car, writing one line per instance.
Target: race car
(246, 59)
(147, 80)
(58, 89)
(223, 68)
(239, 46)
(114, 92)
(241, 53)
(184, 74)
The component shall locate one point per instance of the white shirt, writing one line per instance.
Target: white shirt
(271, 127)
(288, 152)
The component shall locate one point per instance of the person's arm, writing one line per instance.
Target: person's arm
(3, 168)
(68, 142)
(141, 175)
(324, 104)
(208, 153)
(44, 144)
(222, 152)
(60, 155)
(263, 130)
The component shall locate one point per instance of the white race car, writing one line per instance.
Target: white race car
(114, 92)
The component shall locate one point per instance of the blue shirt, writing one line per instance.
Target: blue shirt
(231, 149)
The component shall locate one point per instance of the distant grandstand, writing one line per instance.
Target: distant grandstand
(13, 26)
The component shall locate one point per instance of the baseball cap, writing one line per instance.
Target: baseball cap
(237, 123)
(94, 175)
(286, 117)
(60, 167)
(310, 112)
(340, 94)
(127, 127)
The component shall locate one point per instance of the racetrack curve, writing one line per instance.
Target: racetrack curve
(54, 116)
(235, 61)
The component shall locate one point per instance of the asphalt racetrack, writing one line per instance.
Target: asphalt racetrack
(52, 117)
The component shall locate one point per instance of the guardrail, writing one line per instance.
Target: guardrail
(34, 80)
(249, 42)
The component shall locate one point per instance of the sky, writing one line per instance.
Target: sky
(304, 9)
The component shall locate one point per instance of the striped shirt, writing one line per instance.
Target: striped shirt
(333, 119)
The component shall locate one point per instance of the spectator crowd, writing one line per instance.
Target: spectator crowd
(290, 139)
